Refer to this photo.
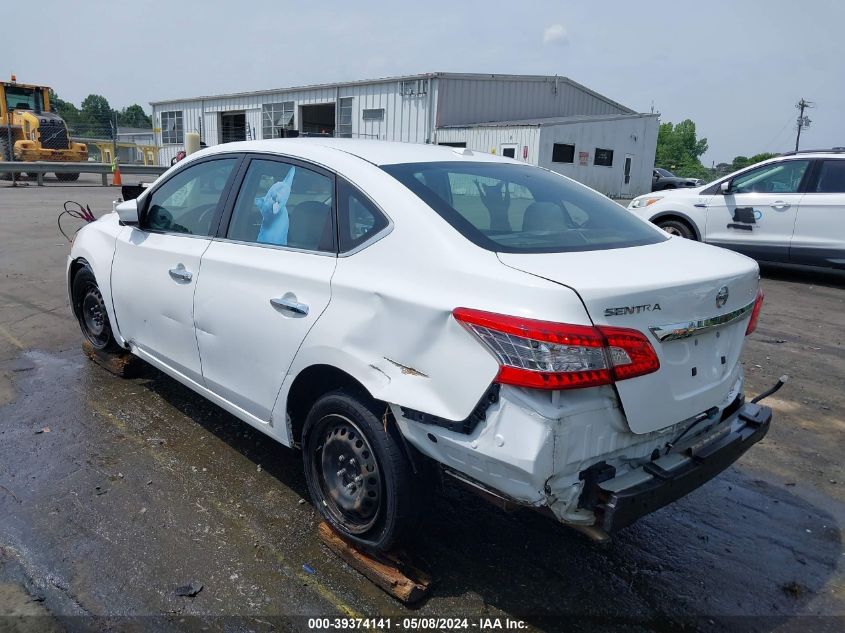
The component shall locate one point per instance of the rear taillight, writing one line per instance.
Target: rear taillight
(755, 313)
(546, 355)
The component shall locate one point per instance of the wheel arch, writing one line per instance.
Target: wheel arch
(308, 386)
(94, 247)
(679, 217)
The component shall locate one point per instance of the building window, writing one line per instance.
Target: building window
(344, 118)
(374, 114)
(172, 131)
(414, 87)
(562, 153)
(603, 157)
(276, 118)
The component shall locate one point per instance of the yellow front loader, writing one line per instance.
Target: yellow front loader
(29, 131)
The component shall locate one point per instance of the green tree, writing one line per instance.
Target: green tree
(66, 110)
(96, 117)
(679, 149)
(134, 116)
(741, 162)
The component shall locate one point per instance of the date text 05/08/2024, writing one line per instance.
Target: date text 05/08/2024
(418, 624)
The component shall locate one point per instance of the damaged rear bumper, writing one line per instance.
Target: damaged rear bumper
(624, 499)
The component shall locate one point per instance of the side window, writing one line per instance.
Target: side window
(831, 177)
(284, 205)
(782, 177)
(187, 203)
(358, 218)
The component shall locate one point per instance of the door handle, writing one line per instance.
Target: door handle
(780, 206)
(288, 304)
(180, 274)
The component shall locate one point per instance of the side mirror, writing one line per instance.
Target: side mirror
(128, 212)
(725, 187)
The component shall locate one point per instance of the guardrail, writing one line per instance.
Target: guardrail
(39, 168)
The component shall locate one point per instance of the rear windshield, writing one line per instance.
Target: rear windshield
(522, 209)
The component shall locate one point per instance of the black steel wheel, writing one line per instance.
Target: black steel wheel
(90, 311)
(358, 473)
(348, 474)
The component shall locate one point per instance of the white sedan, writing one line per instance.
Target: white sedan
(393, 308)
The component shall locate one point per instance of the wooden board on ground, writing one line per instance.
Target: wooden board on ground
(392, 572)
(122, 364)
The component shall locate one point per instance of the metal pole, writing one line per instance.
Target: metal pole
(801, 105)
(114, 139)
(802, 122)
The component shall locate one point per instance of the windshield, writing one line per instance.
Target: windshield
(664, 173)
(21, 98)
(521, 209)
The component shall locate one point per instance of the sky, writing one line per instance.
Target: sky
(736, 68)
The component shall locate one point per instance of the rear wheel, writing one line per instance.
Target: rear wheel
(90, 311)
(67, 177)
(677, 227)
(359, 477)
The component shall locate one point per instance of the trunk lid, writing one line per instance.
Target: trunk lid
(647, 288)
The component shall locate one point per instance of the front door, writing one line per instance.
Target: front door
(266, 283)
(757, 214)
(156, 265)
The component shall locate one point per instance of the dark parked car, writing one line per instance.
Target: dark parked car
(662, 179)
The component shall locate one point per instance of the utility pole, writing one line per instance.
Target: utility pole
(803, 121)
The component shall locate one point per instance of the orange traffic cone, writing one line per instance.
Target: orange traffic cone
(116, 181)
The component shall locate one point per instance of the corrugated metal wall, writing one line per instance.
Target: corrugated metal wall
(636, 136)
(491, 139)
(473, 100)
(406, 118)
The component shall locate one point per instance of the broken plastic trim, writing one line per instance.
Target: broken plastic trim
(467, 425)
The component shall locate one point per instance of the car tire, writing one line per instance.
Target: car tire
(67, 177)
(677, 227)
(358, 472)
(90, 311)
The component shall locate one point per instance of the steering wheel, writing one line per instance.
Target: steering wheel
(202, 213)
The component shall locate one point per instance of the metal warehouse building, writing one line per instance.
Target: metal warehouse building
(550, 121)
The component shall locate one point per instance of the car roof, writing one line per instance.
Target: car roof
(372, 151)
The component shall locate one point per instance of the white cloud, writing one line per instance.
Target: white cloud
(555, 34)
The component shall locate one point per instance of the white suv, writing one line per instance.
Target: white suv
(390, 308)
(789, 209)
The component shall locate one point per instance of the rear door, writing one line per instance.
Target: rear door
(265, 280)
(156, 265)
(757, 216)
(819, 237)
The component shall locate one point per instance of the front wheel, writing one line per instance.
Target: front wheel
(359, 476)
(676, 227)
(90, 311)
